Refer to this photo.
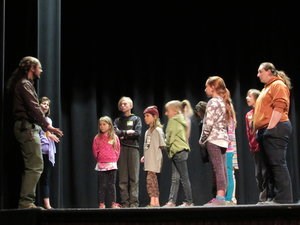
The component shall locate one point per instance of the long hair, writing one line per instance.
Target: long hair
(220, 87)
(21, 71)
(111, 132)
(187, 109)
(275, 72)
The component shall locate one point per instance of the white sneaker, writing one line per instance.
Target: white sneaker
(215, 202)
(169, 205)
(186, 204)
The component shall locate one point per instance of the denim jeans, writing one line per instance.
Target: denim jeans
(180, 174)
(275, 142)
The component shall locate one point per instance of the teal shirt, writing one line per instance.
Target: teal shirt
(176, 140)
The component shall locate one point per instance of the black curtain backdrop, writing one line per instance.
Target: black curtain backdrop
(49, 53)
(152, 53)
(19, 40)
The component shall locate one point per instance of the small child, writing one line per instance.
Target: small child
(200, 112)
(106, 150)
(231, 162)
(49, 150)
(214, 134)
(154, 142)
(128, 127)
(178, 152)
(260, 169)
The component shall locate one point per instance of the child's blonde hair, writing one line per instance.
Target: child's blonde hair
(187, 109)
(126, 99)
(111, 132)
(174, 104)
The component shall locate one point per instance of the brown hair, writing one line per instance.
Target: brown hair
(200, 108)
(220, 87)
(253, 92)
(21, 71)
(275, 72)
(45, 99)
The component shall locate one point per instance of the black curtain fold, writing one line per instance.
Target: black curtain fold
(19, 39)
(49, 53)
(2, 40)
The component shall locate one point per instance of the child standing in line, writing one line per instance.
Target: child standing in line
(154, 142)
(214, 134)
(200, 109)
(48, 148)
(231, 162)
(128, 127)
(251, 97)
(178, 152)
(106, 150)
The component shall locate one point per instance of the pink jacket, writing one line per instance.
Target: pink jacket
(103, 149)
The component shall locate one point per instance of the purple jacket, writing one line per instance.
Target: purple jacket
(48, 145)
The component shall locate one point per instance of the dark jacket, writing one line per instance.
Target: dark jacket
(26, 104)
(132, 122)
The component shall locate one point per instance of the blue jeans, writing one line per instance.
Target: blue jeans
(180, 174)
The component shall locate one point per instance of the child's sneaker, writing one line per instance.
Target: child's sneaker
(186, 204)
(101, 205)
(230, 203)
(169, 205)
(115, 205)
(215, 202)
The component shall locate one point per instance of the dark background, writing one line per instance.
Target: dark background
(152, 52)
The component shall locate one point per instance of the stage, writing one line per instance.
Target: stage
(197, 215)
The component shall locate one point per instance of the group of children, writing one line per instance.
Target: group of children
(115, 148)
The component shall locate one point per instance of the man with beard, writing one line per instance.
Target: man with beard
(29, 120)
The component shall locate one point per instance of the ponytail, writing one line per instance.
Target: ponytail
(285, 78)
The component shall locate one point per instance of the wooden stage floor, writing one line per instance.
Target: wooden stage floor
(285, 214)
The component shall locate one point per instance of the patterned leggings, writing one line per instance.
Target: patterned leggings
(152, 184)
(218, 160)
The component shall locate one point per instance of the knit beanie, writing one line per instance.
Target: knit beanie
(152, 110)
